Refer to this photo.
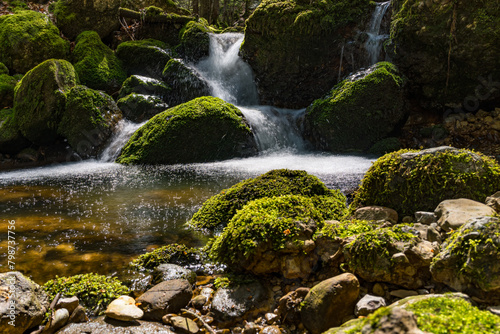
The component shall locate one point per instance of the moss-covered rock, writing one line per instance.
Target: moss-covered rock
(40, 99)
(359, 111)
(146, 86)
(3, 69)
(88, 120)
(280, 37)
(76, 16)
(185, 82)
(168, 6)
(173, 253)
(470, 260)
(94, 291)
(96, 64)
(271, 235)
(195, 41)
(140, 107)
(204, 129)
(219, 209)
(7, 84)
(27, 38)
(448, 49)
(385, 145)
(410, 180)
(11, 139)
(145, 57)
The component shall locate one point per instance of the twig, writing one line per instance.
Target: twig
(124, 26)
(207, 326)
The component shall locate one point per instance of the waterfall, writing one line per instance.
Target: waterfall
(124, 130)
(231, 79)
(373, 45)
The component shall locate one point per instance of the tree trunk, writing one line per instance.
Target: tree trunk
(196, 9)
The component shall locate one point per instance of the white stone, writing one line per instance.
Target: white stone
(124, 309)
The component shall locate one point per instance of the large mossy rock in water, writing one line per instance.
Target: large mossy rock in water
(194, 41)
(204, 129)
(40, 99)
(361, 110)
(448, 49)
(88, 120)
(145, 57)
(271, 235)
(410, 180)
(294, 47)
(7, 84)
(76, 16)
(11, 139)
(96, 64)
(219, 209)
(27, 39)
(168, 6)
(470, 260)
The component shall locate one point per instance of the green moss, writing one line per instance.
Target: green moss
(94, 291)
(355, 115)
(409, 181)
(27, 38)
(11, 140)
(173, 253)
(96, 64)
(7, 84)
(444, 315)
(194, 40)
(204, 129)
(219, 209)
(144, 85)
(3, 69)
(269, 220)
(345, 229)
(144, 57)
(140, 107)
(168, 6)
(40, 98)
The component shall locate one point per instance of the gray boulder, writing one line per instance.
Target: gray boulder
(104, 325)
(376, 213)
(368, 304)
(168, 271)
(453, 213)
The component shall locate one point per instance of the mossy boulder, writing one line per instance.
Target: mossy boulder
(11, 139)
(410, 180)
(88, 120)
(448, 49)
(145, 57)
(194, 41)
(40, 99)
(76, 16)
(145, 85)
(185, 82)
(174, 253)
(470, 259)
(204, 129)
(3, 69)
(27, 38)
(294, 47)
(96, 64)
(94, 291)
(220, 209)
(140, 107)
(168, 6)
(361, 110)
(7, 84)
(271, 235)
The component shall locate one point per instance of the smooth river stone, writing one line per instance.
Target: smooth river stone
(124, 309)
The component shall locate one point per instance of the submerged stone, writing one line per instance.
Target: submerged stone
(204, 129)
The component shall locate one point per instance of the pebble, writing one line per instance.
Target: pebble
(423, 291)
(70, 303)
(181, 324)
(199, 301)
(276, 288)
(123, 308)
(271, 318)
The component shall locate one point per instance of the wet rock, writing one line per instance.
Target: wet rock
(69, 303)
(270, 330)
(146, 57)
(397, 321)
(329, 302)
(181, 324)
(166, 297)
(368, 304)
(78, 316)
(103, 325)
(454, 213)
(235, 304)
(123, 308)
(425, 218)
(58, 320)
(493, 201)
(271, 318)
(141, 107)
(470, 260)
(168, 271)
(199, 301)
(289, 305)
(145, 86)
(21, 301)
(194, 41)
(376, 213)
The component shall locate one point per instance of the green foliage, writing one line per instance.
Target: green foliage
(270, 220)
(219, 209)
(442, 315)
(409, 181)
(203, 129)
(353, 116)
(94, 291)
(173, 253)
(345, 229)
(96, 64)
(27, 38)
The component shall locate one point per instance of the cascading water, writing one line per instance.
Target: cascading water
(231, 79)
(373, 45)
(124, 130)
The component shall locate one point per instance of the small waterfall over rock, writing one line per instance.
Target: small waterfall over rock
(124, 130)
(231, 79)
(373, 45)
